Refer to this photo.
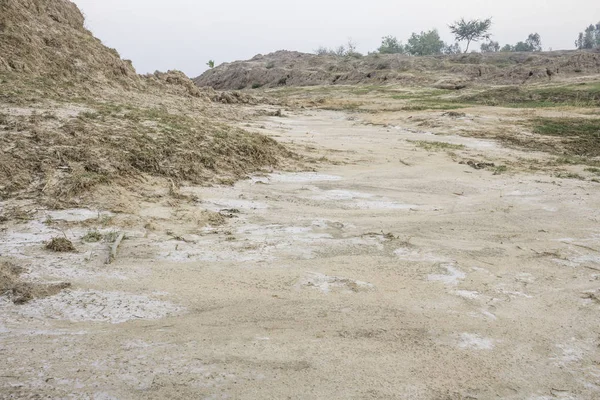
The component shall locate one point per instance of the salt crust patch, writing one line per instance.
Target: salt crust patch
(453, 276)
(466, 294)
(97, 306)
(475, 342)
(302, 177)
(26, 242)
(326, 283)
(77, 214)
(410, 254)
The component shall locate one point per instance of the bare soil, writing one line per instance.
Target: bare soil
(19, 291)
(404, 240)
(393, 271)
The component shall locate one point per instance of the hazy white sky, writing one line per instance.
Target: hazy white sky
(185, 34)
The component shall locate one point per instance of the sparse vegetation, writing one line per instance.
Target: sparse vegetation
(432, 105)
(500, 169)
(437, 146)
(344, 50)
(578, 136)
(92, 237)
(111, 236)
(593, 170)
(586, 95)
(570, 175)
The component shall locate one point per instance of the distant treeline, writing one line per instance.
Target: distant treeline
(469, 31)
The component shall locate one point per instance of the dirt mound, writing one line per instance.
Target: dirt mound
(74, 116)
(20, 292)
(287, 68)
(46, 39)
(61, 156)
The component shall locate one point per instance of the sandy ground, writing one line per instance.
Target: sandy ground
(391, 272)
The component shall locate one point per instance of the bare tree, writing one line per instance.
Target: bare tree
(471, 31)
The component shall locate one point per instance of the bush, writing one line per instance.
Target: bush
(425, 43)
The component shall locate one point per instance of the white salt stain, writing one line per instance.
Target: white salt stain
(381, 205)
(135, 344)
(466, 294)
(570, 353)
(326, 283)
(178, 254)
(77, 215)
(26, 242)
(577, 261)
(272, 230)
(300, 177)
(411, 254)
(342, 195)
(31, 233)
(97, 306)
(348, 199)
(453, 276)
(219, 204)
(263, 243)
(514, 293)
(489, 314)
(475, 342)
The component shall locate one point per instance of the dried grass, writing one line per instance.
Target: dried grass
(60, 245)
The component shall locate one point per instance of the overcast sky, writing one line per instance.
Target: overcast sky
(185, 34)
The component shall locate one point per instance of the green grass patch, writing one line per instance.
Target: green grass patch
(500, 169)
(583, 95)
(92, 237)
(567, 127)
(593, 170)
(343, 107)
(578, 136)
(425, 95)
(433, 106)
(570, 175)
(575, 160)
(436, 146)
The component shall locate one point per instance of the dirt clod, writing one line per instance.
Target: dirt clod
(60, 245)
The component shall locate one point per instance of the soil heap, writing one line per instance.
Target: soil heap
(290, 68)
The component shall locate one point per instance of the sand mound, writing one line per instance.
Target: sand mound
(288, 68)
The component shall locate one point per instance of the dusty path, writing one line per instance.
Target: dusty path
(397, 273)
